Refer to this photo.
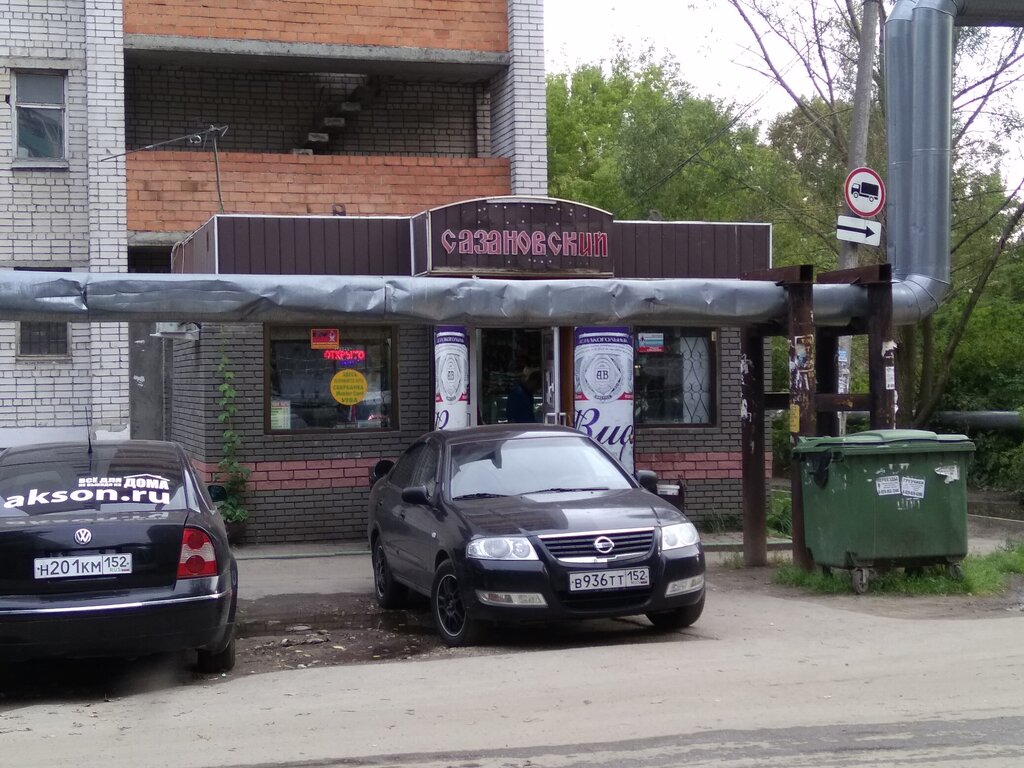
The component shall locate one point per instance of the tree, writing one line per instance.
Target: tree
(823, 38)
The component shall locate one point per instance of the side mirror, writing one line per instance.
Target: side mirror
(416, 494)
(378, 470)
(647, 479)
(218, 493)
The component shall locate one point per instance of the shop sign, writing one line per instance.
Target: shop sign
(346, 355)
(603, 362)
(451, 377)
(531, 236)
(650, 343)
(323, 338)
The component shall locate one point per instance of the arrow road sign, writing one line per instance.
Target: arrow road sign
(859, 230)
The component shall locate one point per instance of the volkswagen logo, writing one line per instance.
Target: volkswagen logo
(604, 545)
(83, 536)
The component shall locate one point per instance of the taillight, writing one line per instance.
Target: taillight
(197, 555)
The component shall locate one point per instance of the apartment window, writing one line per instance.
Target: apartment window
(43, 338)
(39, 105)
(330, 378)
(674, 376)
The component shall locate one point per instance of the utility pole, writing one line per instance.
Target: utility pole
(857, 158)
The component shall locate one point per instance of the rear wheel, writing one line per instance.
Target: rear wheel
(212, 663)
(679, 618)
(389, 593)
(455, 627)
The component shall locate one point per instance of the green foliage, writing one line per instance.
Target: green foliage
(998, 462)
(780, 513)
(230, 472)
(983, 575)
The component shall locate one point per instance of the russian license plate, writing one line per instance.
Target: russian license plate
(77, 566)
(620, 579)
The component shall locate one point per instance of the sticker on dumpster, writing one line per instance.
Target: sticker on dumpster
(951, 473)
(887, 486)
(912, 487)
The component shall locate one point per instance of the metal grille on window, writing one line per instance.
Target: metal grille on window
(42, 338)
(696, 357)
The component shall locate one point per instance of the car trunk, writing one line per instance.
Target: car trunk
(52, 554)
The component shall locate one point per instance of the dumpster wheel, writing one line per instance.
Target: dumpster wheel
(860, 577)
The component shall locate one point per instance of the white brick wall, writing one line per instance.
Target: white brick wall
(519, 101)
(71, 217)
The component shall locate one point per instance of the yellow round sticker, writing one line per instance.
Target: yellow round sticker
(348, 387)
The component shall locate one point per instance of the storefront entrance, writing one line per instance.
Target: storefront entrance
(524, 375)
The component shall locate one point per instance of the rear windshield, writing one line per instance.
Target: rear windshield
(110, 479)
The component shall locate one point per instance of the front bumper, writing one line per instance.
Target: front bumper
(193, 614)
(550, 579)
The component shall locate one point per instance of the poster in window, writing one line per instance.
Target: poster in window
(650, 342)
(280, 413)
(451, 377)
(603, 362)
(324, 338)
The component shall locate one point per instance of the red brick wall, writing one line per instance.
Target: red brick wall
(472, 25)
(697, 466)
(297, 475)
(172, 191)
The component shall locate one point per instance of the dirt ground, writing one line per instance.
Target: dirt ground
(352, 629)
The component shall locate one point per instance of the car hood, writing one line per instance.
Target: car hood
(566, 512)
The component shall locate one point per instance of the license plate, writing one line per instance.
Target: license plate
(619, 579)
(78, 566)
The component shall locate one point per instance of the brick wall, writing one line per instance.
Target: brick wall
(519, 102)
(472, 25)
(274, 111)
(67, 215)
(306, 486)
(176, 191)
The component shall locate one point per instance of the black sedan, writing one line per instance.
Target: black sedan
(112, 549)
(528, 522)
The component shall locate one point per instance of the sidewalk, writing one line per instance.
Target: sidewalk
(266, 570)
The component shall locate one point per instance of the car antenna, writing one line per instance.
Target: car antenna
(88, 433)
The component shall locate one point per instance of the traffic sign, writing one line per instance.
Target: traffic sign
(865, 192)
(856, 230)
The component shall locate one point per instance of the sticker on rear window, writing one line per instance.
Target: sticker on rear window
(131, 489)
(154, 482)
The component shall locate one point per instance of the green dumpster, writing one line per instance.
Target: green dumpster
(885, 498)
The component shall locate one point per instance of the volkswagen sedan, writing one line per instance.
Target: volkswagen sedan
(112, 549)
(515, 523)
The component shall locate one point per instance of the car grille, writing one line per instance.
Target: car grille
(580, 547)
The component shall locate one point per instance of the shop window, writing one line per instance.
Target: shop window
(39, 105)
(674, 376)
(330, 378)
(43, 338)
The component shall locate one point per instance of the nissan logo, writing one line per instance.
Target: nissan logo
(604, 545)
(83, 536)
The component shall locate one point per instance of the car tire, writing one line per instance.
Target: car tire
(678, 618)
(454, 625)
(215, 662)
(389, 593)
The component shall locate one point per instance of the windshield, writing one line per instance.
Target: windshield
(110, 479)
(531, 465)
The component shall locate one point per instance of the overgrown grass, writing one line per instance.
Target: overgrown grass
(983, 575)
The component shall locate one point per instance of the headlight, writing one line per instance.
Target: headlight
(678, 535)
(501, 548)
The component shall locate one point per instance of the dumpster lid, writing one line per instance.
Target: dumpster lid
(883, 440)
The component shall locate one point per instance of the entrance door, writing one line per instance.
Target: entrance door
(551, 372)
(519, 375)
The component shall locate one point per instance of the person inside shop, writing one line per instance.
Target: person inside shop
(519, 405)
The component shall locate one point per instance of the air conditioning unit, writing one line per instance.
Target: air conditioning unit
(183, 331)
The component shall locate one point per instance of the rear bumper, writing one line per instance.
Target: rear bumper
(196, 614)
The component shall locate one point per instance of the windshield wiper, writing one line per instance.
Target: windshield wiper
(480, 496)
(564, 490)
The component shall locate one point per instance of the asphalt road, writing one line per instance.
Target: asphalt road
(759, 681)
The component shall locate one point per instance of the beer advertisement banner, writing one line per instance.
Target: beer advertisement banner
(603, 363)
(451, 377)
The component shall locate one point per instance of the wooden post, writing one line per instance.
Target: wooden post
(752, 410)
(827, 348)
(881, 356)
(802, 412)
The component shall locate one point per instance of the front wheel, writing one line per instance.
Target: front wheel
(678, 618)
(455, 627)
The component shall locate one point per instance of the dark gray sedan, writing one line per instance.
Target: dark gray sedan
(112, 549)
(528, 523)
